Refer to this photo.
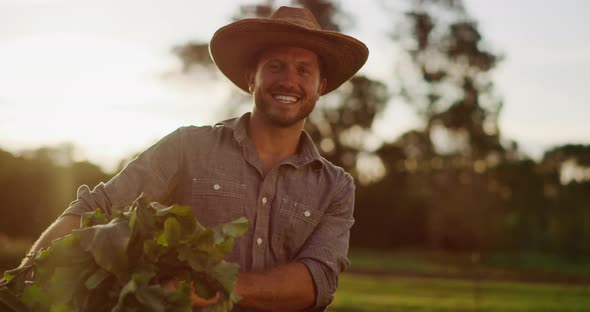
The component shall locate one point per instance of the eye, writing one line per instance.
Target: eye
(304, 70)
(274, 66)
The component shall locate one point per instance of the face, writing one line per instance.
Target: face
(286, 85)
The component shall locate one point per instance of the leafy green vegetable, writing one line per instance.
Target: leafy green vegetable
(120, 264)
(9, 302)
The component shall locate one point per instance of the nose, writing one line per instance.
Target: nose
(288, 78)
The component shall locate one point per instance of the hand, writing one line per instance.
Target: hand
(197, 300)
(202, 302)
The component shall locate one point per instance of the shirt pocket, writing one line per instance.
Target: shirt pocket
(295, 223)
(216, 201)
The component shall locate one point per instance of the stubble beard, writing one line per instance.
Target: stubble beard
(282, 121)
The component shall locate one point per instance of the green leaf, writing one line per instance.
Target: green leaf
(96, 278)
(33, 296)
(127, 290)
(149, 297)
(94, 218)
(152, 297)
(8, 276)
(180, 299)
(10, 302)
(182, 211)
(145, 221)
(108, 244)
(222, 249)
(225, 273)
(132, 220)
(235, 228)
(63, 252)
(205, 240)
(197, 260)
(69, 280)
(185, 218)
(221, 306)
(171, 234)
(205, 289)
(15, 279)
(61, 308)
(152, 251)
(102, 298)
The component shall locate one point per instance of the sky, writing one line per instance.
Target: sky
(100, 74)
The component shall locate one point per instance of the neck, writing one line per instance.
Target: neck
(273, 144)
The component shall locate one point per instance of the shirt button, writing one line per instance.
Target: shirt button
(259, 241)
(264, 200)
(307, 213)
(216, 187)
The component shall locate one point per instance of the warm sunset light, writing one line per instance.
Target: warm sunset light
(105, 96)
(297, 155)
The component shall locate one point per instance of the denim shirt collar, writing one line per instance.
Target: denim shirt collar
(307, 153)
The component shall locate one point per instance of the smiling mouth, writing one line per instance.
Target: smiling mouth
(285, 98)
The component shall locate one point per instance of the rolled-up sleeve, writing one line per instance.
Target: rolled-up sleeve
(325, 251)
(153, 173)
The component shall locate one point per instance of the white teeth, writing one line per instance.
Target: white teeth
(286, 98)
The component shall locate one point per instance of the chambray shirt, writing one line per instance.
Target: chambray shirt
(302, 210)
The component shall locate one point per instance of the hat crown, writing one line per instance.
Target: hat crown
(299, 16)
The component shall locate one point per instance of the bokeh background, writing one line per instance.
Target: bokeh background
(467, 132)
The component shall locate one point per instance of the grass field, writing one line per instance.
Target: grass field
(531, 266)
(360, 292)
(427, 281)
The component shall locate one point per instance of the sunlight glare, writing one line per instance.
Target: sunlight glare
(103, 95)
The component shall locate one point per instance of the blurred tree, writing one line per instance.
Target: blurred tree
(565, 172)
(342, 123)
(575, 154)
(546, 203)
(478, 193)
(37, 187)
(193, 54)
(521, 191)
(328, 13)
(444, 73)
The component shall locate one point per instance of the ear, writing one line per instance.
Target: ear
(322, 86)
(250, 77)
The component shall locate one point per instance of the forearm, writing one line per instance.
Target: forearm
(285, 288)
(61, 227)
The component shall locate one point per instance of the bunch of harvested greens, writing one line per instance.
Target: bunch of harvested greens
(121, 264)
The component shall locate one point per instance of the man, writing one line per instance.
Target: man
(261, 165)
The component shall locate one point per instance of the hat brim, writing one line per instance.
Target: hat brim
(234, 47)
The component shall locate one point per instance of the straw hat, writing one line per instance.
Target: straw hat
(234, 46)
